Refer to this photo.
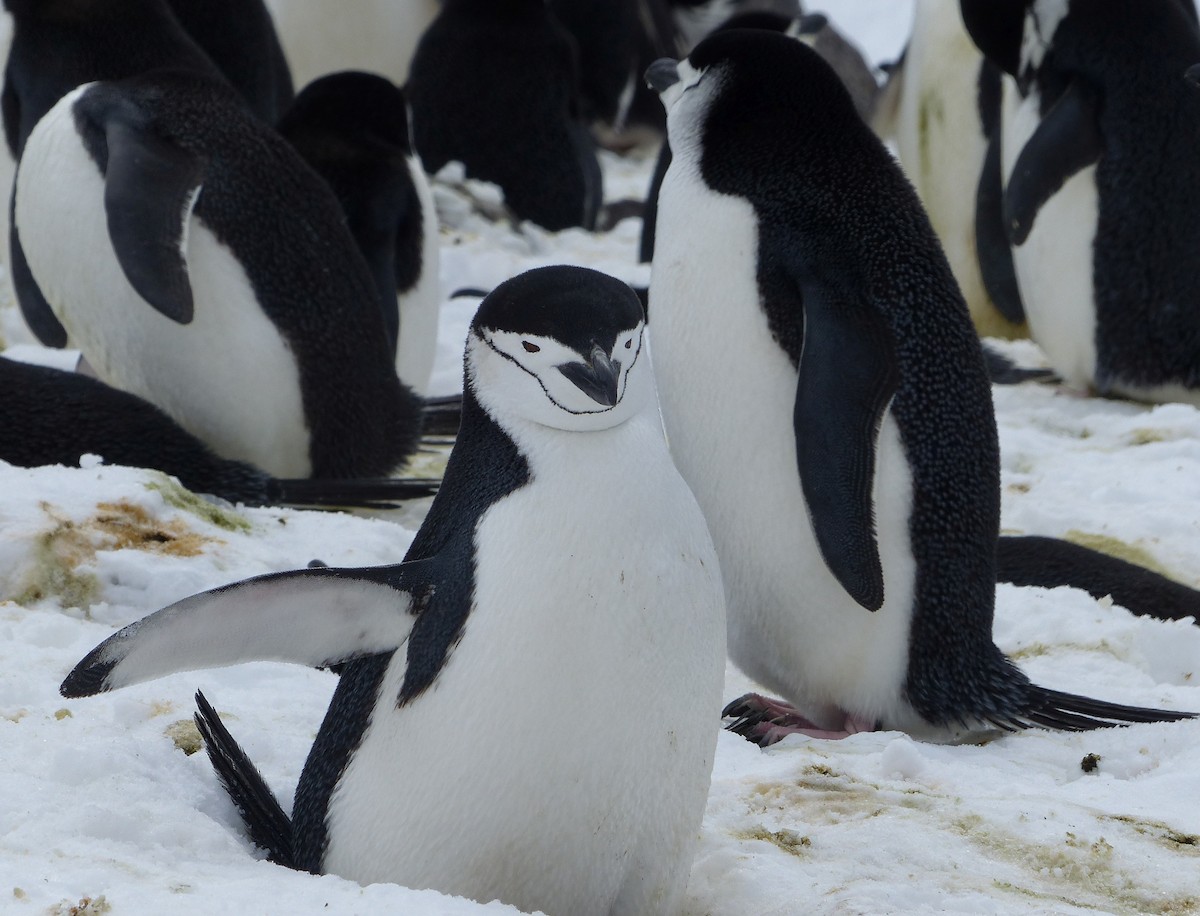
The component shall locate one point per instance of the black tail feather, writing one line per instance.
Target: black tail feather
(1003, 371)
(1069, 712)
(1051, 562)
(365, 493)
(442, 415)
(269, 827)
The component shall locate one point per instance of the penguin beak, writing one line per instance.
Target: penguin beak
(597, 378)
(811, 23)
(662, 74)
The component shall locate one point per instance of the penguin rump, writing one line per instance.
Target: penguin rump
(858, 537)
(553, 568)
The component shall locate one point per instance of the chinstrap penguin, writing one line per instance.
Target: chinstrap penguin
(352, 128)
(564, 564)
(197, 262)
(49, 416)
(856, 508)
(1100, 155)
(494, 85)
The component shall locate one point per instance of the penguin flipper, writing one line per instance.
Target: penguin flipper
(1066, 141)
(315, 617)
(150, 188)
(848, 375)
(992, 249)
(268, 825)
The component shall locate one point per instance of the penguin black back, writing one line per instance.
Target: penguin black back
(494, 85)
(316, 290)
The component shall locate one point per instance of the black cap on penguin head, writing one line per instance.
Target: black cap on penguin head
(997, 27)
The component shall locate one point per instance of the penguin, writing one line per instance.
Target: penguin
(239, 37)
(352, 128)
(50, 416)
(520, 126)
(60, 44)
(198, 263)
(946, 132)
(856, 508)
(564, 564)
(1099, 154)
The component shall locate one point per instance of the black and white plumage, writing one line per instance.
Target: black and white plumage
(563, 565)
(856, 507)
(494, 84)
(199, 263)
(1101, 166)
(48, 416)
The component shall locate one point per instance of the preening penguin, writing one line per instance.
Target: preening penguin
(494, 85)
(352, 127)
(1101, 159)
(563, 564)
(199, 263)
(856, 508)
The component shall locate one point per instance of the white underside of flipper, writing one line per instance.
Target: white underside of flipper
(728, 393)
(594, 716)
(228, 376)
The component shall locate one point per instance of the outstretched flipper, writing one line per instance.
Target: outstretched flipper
(1051, 562)
(315, 617)
(1066, 141)
(269, 827)
(848, 375)
(150, 188)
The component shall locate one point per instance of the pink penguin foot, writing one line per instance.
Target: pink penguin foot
(764, 721)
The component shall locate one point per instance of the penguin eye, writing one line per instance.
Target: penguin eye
(530, 347)
(629, 343)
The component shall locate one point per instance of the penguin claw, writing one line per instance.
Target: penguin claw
(764, 721)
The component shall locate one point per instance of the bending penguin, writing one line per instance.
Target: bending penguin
(198, 263)
(858, 534)
(1101, 165)
(560, 471)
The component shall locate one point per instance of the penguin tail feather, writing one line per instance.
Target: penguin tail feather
(269, 827)
(363, 493)
(1070, 712)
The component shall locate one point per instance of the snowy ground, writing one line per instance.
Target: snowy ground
(101, 805)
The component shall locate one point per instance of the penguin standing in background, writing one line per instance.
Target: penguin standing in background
(796, 271)
(494, 85)
(197, 262)
(1101, 165)
(560, 471)
(58, 45)
(48, 416)
(352, 128)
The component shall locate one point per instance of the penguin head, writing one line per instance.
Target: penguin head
(997, 27)
(364, 109)
(561, 347)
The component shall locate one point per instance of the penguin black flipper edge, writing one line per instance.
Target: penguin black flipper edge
(848, 375)
(1066, 141)
(150, 188)
(308, 617)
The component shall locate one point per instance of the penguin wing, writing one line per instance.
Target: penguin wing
(1066, 141)
(150, 188)
(315, 617)
(848, 375)
(992, 249)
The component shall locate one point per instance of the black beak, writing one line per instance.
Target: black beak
(597, 378)
(662, 74)
(812, 23)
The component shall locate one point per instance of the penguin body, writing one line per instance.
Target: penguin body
(198, 263)
(525, 132)
(560, 471)
(352, 128)
(857, 534)
(1102, 186)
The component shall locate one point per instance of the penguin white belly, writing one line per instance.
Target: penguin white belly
(580, 705)
(417, 345)
(728, 392)
(1054, 266)
(227, 377)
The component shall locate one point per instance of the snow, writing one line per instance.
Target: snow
(101, 812)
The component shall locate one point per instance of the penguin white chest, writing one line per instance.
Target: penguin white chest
(1055, 264)
(534, 769)
(227, 376)
(417, 346)
(728, 393)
